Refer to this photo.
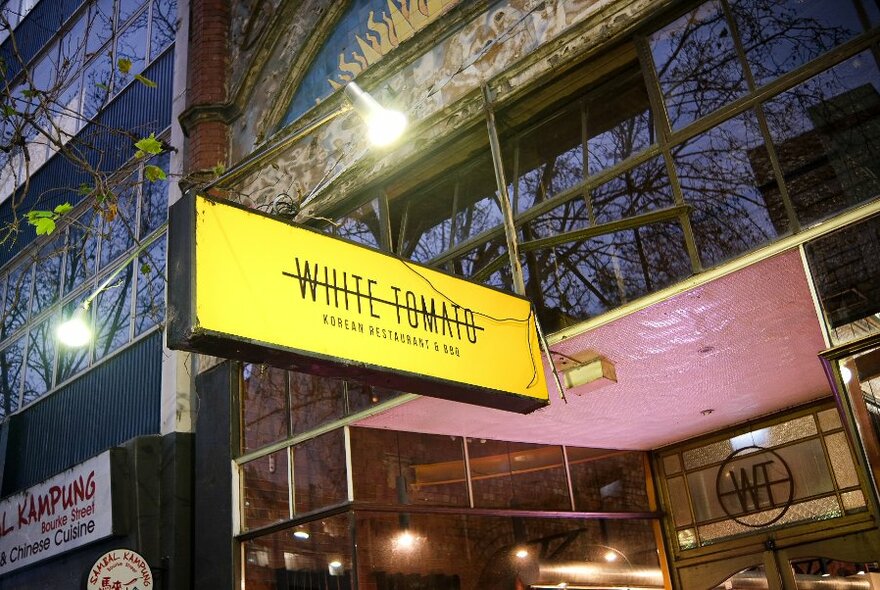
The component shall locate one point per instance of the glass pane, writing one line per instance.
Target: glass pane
(582, 279)
(18, 293)
(517, 475)
(473, 261)
(117, 235)
(678, 498)
(265, 492)
(435, 551)
(781, 35)
(477, 208)
(725, 175)
(72, 360)
(567, 217)
(81, 247)
(696, 64)
(47, 276)
(150, 304)
(362, 397)
(362, 225)
(96, 83)
(113, 314)
(40, 361)
(100, 25)
(71, 48)
(810, 572)
(319, 472)
(319, 558)
(392, 467)
(264, 412)
(609, 481)
(315, 401)
(11, 360)
(847, 279)
(639, 190)
(128, 8)
(164, 26)
(827, 136)
(424, 222)
(551, 159)
(154, 200)
(619, 121)
(131, 44)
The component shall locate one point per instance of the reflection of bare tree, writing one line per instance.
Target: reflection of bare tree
(779, 36)
(696, 64)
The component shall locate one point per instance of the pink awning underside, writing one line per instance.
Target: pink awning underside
(744, 346)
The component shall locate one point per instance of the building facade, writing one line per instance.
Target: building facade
(94, 457)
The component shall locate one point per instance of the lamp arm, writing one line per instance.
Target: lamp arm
(141, 247)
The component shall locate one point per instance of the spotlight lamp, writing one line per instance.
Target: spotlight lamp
(384, 126)
(75, 331)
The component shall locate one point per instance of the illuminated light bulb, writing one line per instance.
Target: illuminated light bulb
(405, 540)
(522, 553)
(610, 556)
(384, 126)
(75, 332)
(846, 374)
(335, 564)
(301, 535)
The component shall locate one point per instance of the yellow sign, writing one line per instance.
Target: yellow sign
(263, 290)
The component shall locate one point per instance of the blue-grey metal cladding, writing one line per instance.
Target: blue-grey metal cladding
(114, 402)
(38, 28)
(139, 109)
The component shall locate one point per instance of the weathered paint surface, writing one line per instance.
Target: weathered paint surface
(510, 46)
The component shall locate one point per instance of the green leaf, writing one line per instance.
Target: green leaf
(102, 86)
(8, 111)
(84, 189)
(219, 169)
(154, 173)
(124, 64)
(30, 93)
(45, 226)
(145, 81)
(32, 216)
(146, 268)
(62, 209)
(148, 145)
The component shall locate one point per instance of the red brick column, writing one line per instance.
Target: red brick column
(208, 113)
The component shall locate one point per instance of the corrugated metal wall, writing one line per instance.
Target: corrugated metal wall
(139, 109)
(110, 404)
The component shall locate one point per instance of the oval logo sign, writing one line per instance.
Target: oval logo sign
(754, 486)
(120, 569)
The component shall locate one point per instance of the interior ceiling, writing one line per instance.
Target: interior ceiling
(743, 346)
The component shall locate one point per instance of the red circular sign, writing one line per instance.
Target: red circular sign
(120, 569)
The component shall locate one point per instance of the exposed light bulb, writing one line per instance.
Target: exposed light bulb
(846, 374)
(74, 332)
(522, 554)
(610, 556)
(301, 535)
(385, 126)
(405, 540)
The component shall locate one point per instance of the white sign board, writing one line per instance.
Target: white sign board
(66, 511)
(121, 569)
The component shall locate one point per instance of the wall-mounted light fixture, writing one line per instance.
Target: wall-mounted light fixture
(384, 126)
(585, 369)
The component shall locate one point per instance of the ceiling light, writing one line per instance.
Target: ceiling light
(301, 535)
(405, 540)
(610, 556)
(522, 554)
